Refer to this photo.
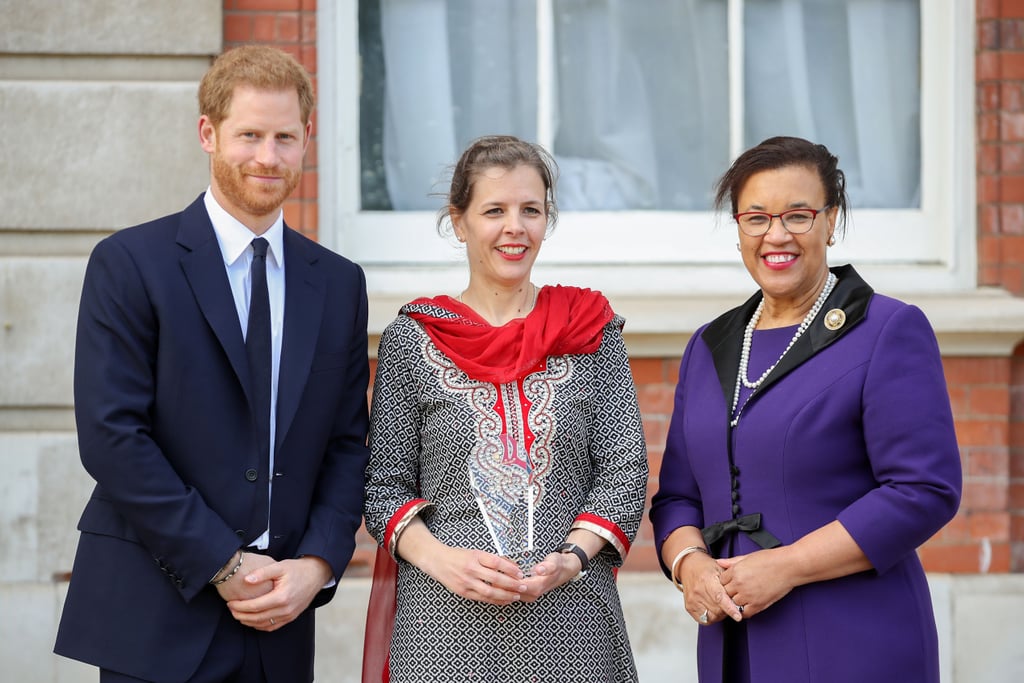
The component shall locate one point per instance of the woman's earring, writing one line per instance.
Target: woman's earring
(831, 240)
(738, 247)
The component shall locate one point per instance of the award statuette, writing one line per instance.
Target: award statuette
(501, 477)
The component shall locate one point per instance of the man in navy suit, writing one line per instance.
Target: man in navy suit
(228, 481)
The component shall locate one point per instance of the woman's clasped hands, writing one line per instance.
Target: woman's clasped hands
(475, 574)
(698, 576)
(486, 577)
(755, 581)
(736, 587)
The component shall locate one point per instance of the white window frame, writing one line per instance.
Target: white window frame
(645, 257)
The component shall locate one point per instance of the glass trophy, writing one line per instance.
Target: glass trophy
(502, 481)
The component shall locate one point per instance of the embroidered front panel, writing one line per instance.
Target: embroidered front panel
(508, 463)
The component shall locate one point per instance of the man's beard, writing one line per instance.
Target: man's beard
(255, 201)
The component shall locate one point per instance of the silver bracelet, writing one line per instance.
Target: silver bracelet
(234, 570)
(688, 550)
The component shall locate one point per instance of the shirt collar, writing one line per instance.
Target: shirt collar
(233, 237)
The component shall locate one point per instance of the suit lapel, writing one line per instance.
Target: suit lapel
(203, 266)
(303, 311)
(724, 336)
(851, 295)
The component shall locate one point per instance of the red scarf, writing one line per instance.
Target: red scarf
(564, 321)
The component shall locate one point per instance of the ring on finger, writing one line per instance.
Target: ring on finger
(703, 617)
(741, 608)
(272, 622)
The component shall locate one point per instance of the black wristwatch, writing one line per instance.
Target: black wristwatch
(578, 552)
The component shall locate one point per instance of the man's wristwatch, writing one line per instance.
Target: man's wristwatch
(578, 552)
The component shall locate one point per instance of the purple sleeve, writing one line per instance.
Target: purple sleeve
(911, 444)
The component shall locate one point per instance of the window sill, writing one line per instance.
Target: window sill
(979, 322)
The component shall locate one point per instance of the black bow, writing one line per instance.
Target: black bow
(748, 524)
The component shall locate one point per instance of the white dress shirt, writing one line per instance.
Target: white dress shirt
(235, 242)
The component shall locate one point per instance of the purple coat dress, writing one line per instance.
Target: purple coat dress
(854, 425)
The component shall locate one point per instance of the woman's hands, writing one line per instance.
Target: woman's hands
(476, 575)
(762, 578)
(756, 581)
(746, 585)
(555, 570)
(472, 574)
(700, 577)
(486, 577)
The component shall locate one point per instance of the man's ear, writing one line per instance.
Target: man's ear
(308, 136)
(207, 134)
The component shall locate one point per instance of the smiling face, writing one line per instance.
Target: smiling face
(790, 269)
(503, 226)
(256, 154)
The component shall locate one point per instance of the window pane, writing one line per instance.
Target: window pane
(845, 73)
(642, 103)
(641, 94)
(374, 193)
(437, 74)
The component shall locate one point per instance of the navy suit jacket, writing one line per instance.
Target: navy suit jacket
(162, 404)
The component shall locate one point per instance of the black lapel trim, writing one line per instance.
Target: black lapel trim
(724, 335)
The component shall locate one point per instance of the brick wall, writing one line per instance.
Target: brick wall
(992, 437)
(1015, 469)
(987, 394)
(999, 71)
(978, 539)
(291, 26)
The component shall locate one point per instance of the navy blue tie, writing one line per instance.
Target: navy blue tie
(258, 349)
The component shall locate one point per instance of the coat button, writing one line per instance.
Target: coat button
(251, 474)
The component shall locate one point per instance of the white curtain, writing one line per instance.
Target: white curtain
(641, 88)
(845, 73)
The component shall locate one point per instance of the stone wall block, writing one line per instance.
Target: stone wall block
(19, 510)
(98, 155)
(42, 494)
(38, 315)
(64, 489)
(987, 629)
(27, 632)
(111, 27)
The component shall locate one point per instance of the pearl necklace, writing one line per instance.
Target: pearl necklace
(748, 336)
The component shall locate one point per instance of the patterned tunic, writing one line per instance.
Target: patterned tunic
(577, 417)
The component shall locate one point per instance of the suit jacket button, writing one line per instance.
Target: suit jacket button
(251, 474)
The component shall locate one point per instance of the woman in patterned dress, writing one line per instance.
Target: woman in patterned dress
(508, 468)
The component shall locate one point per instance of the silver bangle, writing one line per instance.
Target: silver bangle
(688, 550)
(234, 570)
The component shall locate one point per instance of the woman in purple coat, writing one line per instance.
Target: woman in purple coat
(811, 451)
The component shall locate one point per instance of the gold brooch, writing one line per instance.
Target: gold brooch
(835, 319)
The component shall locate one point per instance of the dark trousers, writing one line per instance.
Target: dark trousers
(233, 657)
